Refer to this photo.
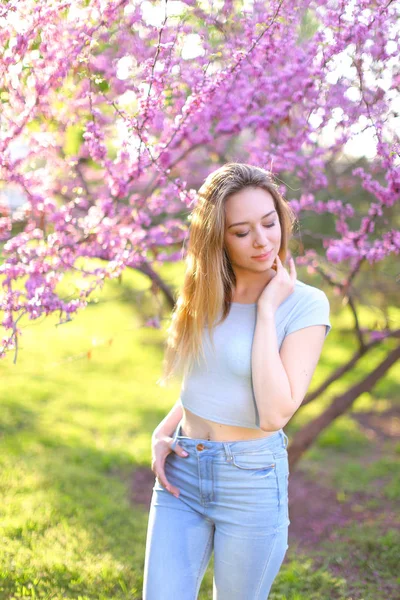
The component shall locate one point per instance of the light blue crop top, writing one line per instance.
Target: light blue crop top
(220, 387)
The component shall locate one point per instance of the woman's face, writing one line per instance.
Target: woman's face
(252, 228)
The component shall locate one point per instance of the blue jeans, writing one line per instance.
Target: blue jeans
(233, 501)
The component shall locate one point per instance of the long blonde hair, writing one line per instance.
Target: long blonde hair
(209, 279)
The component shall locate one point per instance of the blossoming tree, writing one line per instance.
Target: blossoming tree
(113, 111)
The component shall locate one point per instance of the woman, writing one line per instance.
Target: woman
(247, 336)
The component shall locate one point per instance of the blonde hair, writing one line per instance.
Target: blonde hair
(209, 278)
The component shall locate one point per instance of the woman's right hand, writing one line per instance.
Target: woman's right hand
(160, 448)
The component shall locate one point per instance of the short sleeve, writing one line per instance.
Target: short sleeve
(312, 309)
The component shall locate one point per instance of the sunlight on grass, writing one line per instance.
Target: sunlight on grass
(343, 434)
(368, 402)
(299, 578)
(369, 552)
(78, 411)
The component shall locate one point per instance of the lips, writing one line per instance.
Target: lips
(262, 255)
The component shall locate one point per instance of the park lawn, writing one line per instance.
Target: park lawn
(77, 413)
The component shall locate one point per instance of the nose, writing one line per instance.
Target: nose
(261, 239)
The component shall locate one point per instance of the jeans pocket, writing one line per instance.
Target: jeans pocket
(254, 462)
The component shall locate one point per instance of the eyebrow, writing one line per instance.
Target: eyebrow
(246, 222)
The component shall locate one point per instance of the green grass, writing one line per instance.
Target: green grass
(77, 413)
(372, 557)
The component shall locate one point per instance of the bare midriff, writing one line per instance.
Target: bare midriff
(196, 427)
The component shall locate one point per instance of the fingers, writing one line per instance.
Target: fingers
(292, 268)
(180, 451)
(165, 483)
(159, 472)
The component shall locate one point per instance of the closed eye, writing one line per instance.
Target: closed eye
(244, 234)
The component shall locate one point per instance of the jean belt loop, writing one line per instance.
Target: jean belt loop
(286, 439)
(228, 451)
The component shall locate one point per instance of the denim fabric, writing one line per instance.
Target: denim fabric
(233, 501)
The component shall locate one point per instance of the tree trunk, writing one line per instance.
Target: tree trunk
(308, 434)
(155, 278)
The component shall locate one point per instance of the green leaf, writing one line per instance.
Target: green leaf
(73, 139)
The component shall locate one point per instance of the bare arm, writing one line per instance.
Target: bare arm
(169, 423)
(270, 381)
(281, 379)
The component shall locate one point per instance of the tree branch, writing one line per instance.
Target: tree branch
(308, 434)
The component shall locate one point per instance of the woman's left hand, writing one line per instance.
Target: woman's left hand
(279, 287)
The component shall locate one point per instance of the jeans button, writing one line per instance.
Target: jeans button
(200, 446)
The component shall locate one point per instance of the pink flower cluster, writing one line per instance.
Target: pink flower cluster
(111, 120)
